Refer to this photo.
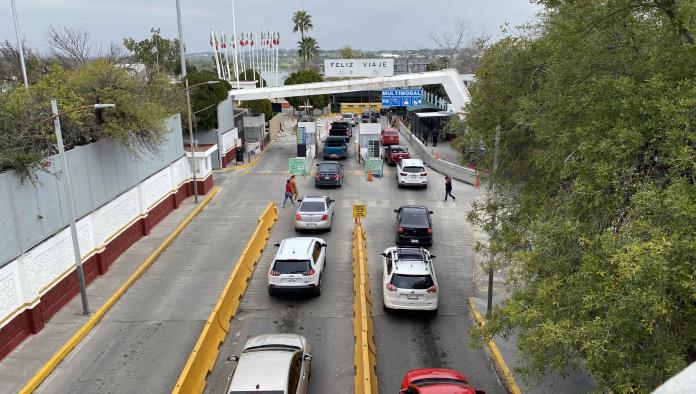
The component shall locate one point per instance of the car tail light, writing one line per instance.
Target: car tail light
(318, 176)
(325, 216)
(430, 230)
(391, 287)
(403, 174)
(432, 289)
(298, 216)
(275, 273)
(310, 272)
(334, 177)
(423, 173)
(400, 230)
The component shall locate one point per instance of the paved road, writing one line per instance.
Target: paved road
(404, 340)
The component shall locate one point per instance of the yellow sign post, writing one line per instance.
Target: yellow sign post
(359, 211)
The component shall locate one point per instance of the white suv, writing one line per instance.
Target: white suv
(297, 266)
(349, 117)
(408, 280)
(411, 172)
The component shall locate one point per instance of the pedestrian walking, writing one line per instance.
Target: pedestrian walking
(293, 182)
(288, 193)
(435, 136)
(448, 188)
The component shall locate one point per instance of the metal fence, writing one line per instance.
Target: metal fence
(32, 212)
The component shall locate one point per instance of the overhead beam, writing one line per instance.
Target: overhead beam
(449, 79)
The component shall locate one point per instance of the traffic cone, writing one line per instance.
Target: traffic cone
(437, 154)
(369, 176)
(476, 183)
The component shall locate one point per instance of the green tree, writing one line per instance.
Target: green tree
(256, 106)
(307, 76)
(302, 22)
(349, 53)
(204, 98)
(137, 121)
(596, 187)
(307, 49)
(156, 52)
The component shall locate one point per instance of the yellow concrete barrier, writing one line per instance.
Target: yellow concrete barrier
(64, 350)
(365, 354)
(205, 352)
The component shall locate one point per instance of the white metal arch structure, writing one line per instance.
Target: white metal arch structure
(449, 78)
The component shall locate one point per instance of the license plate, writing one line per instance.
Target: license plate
(336, 156)
(327, 178)
(412, 296)
(292, 280)
(311, 225)
(414, 241)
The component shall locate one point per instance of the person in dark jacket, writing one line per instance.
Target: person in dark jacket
(448, 188)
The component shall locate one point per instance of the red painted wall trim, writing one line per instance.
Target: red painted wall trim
(32, 320)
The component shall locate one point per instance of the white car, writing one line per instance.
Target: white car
(349, 117)
(411, 172)
(272, 363)
(314, 213)
(408, 280)
(297, 266)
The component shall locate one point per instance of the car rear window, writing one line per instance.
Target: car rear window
(398, 149)
(291, 266)
(312, 206)
(390, 132)
(328, 168)
(414, 217)
(411, 254)
(347, 116)
(416, 282)
(413, 170)
(335, 142)
(341, 132)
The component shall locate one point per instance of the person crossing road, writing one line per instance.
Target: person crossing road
(288, 193)
(448, 188)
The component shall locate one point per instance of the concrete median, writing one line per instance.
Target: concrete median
(205, 352)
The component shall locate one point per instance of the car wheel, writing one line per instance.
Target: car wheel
(432, 313)
(271, 292)
(317, 290)
(426, 186)
(384, 307)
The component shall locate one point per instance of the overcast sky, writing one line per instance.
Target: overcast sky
(363, 24)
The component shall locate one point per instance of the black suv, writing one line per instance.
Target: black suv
(414, 226)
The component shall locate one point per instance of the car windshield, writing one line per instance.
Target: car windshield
(437, 381)
(332, 168)
(414, 217)
(413, 170)
(312, 206)
(338, 131)
(335, 142)
(411, 254)
(398, 149)
(291, 266)
(416, 282)
(347, 116)
(390, 132)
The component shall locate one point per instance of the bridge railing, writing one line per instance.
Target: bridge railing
(365, 351)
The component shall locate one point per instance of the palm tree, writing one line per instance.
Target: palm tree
(302, 22)
(307, 49)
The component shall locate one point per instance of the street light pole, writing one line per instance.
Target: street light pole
(494, 193)
(19, 45)
(188, 99)
(67, 185)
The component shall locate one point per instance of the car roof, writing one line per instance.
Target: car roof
(267, 367)
(411, 267)
(391, 129)
(314, 198)
(411, 163)
(397, 147)
(414, 206)
(297, 248)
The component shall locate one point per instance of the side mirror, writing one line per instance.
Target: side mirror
(324, 245)
(383, 254)
(232, 358)
(432, 256)
(300, 200)
(308, 357)
(430, 212)
(276, 245)
(396, 211)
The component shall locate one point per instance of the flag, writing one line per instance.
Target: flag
(223, 41)
(212, 41)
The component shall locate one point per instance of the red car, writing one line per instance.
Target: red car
(390, 136)
(394, 153)
(436, 381)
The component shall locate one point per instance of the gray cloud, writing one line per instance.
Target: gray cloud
(364, 24)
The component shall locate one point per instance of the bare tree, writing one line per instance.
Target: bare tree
(10, 69)
(450, 42)
(71, 46)
(115, 53)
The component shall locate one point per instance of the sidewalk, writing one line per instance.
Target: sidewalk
(26, 359)
(445, 151)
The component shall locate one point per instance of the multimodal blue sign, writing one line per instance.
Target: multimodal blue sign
(402, 97)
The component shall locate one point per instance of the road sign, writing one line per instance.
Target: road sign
(374, 166)
(298, 166)
(358, 67)
(359, 211)
(402, 97)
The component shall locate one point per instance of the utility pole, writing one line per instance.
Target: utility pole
(188, 99)
(19, 45)
(494, 197)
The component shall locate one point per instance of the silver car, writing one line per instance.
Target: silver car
(272, 364)
(314, 213)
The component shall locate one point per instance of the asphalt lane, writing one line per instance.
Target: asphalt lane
(404, 340)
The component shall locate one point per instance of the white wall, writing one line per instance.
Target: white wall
(26, 278)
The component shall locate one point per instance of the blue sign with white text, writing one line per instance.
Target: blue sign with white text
(402, 97)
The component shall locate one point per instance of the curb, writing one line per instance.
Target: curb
(500, 364)
(94, 319)
(250, 164)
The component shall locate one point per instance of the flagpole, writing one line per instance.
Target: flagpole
(277, 61)
(241, 48)
(213, 43)
(227, 58)
(234, 27)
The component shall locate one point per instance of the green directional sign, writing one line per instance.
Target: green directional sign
(298, 166)
(374, 166)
